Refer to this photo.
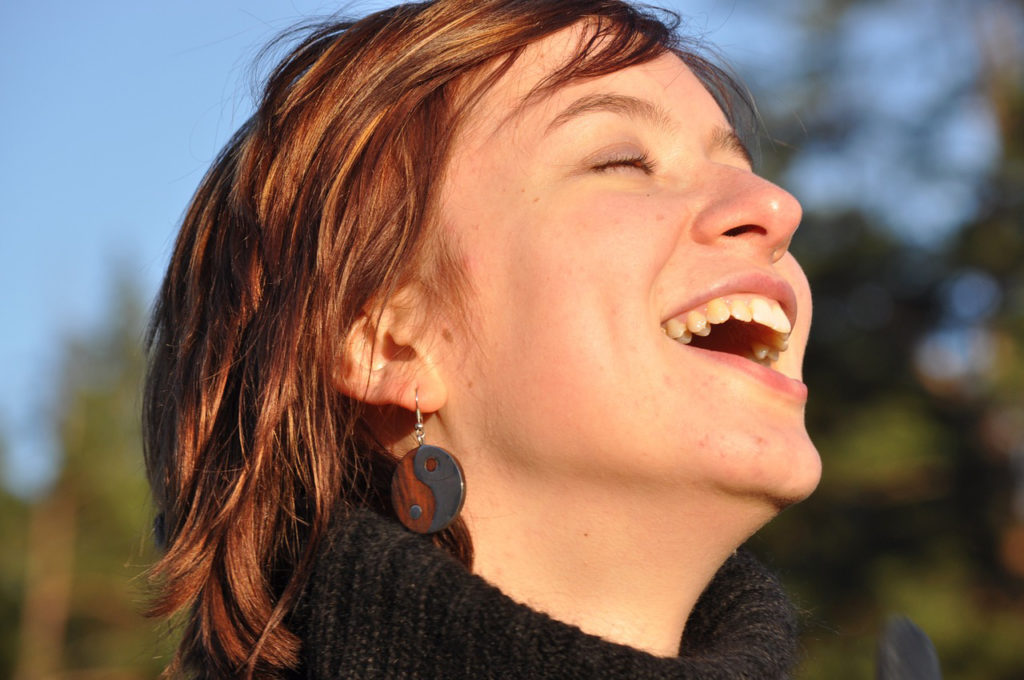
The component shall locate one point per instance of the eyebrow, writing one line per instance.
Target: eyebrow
(723, 138)
(625, 105)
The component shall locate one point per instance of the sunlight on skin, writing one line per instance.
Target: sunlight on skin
(582, 237)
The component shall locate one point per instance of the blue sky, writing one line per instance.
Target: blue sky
(111, 113)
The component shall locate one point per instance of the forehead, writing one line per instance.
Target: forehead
(663, 91)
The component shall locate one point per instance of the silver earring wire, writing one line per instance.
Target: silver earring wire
(420, 438)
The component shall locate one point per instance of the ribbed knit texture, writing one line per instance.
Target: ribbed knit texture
(385, 603)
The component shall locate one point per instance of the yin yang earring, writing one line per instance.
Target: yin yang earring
(428, 487)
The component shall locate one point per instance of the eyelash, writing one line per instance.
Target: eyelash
(641, 162)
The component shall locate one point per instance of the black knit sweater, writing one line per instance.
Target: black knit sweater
(385, 603)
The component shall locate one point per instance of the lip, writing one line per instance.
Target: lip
(757, 283)
(779, 382)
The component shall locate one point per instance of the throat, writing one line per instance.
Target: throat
(603, 571)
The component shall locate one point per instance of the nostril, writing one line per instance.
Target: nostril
(746, 229)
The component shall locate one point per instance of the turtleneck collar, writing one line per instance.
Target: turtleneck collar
(385, 603)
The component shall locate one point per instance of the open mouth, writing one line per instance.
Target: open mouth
(747, 325)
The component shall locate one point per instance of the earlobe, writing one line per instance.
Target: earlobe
(384, 359)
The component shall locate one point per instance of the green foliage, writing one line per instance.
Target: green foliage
(13, 519)
(916, 374)
(84, 545)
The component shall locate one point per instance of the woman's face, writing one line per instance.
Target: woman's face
(595, 223)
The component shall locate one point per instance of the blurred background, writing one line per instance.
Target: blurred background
(898, 123)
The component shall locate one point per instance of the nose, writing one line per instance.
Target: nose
(746, 211)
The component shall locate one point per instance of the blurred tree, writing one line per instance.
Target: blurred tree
(915, 366)
(13, 518)
(86, 540)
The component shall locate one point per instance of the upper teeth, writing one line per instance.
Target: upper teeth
(741, 307)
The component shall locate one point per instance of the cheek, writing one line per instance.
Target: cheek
(626, 223)
(609, 249)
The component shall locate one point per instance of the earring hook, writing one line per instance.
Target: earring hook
(420, 438)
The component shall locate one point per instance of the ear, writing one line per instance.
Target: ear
(389, 355)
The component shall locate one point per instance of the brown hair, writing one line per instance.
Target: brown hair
(319, 207)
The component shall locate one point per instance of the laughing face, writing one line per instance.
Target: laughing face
(637, 320)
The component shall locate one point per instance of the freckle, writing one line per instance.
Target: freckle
(446, 334)
(536, 198)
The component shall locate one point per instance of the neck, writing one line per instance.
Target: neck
(626, 566)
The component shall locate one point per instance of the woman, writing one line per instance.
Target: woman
(530, 225)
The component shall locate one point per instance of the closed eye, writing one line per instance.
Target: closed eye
(635, 161)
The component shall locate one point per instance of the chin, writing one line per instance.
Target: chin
(776, 476)
(799, 476)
